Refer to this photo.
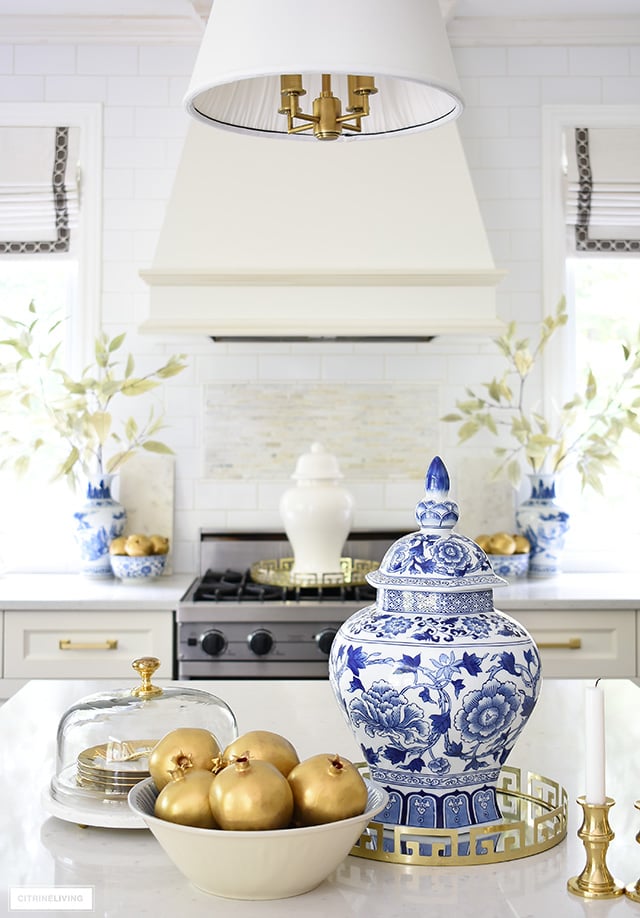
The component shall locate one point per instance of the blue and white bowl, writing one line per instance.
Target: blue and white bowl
(512, 567)
(137, 568)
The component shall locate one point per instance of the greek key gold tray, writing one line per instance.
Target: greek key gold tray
(534, 819)
(278, 572)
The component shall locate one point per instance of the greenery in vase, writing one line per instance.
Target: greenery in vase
(585, 431)
(37, 395)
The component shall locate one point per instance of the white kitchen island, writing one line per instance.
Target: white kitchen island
(131, 876)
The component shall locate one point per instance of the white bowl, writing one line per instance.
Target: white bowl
(137, 567)
(273, 864)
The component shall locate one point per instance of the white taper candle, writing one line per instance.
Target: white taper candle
(594, 745)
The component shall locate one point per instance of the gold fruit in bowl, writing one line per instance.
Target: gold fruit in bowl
(117, 546)
(159, 544)
(266, 746)
(483, 541)
(326, 788)
(501, 543)
(138, 545)
(523, 545)
(185, 799)
(251, 795)
(182, 748)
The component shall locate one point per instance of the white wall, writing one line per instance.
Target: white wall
(141, 88)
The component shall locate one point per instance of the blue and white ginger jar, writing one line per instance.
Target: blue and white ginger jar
(98, 521)
(436, 684)
(545, 524)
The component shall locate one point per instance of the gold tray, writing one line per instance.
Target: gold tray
(534, 819)
(278, 572)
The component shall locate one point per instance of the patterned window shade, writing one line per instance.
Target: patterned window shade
(39, 189)
(603, 190)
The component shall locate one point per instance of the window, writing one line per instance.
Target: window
(61, 277)
(593, 256)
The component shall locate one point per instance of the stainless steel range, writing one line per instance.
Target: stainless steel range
(246, 617)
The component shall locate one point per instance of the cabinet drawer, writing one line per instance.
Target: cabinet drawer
(583, 643)
(85, 645)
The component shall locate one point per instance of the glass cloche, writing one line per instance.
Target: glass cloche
(105, 739)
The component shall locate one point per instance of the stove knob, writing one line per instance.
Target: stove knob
(324, 639)
(213, 643)
(260, 642)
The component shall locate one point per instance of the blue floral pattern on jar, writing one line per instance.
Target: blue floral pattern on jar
(435, 682)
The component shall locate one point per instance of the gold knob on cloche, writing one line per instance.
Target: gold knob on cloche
(146, 667)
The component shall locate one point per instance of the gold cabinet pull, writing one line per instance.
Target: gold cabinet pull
(109, 644)
(574, 643)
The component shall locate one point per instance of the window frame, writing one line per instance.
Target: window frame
(87, 117)
(559, 363)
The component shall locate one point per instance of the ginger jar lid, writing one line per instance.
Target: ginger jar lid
(435, 559)
(317, 464)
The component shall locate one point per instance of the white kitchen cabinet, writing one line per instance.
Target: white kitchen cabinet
(584, 643)
(80, 644)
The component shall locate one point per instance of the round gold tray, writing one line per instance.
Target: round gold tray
(278, 572)
(534, 819)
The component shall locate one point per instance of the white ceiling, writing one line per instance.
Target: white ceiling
(468, 21)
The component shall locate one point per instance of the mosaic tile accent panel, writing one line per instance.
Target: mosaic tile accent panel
(377, 430)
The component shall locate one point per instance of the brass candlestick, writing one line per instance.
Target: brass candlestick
(595, 881)
(633, 889)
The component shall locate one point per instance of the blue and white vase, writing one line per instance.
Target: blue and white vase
(545, 524)
(97, 522)
(435, 683)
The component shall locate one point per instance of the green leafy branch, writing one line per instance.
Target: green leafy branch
(39, 396)
(585, 430)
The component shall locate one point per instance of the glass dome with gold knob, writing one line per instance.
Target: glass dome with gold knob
(104, 741)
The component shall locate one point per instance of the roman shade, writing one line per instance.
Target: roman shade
(603, 190)
(39, 188)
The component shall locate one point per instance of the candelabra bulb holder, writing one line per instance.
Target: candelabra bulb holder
(595, 881)
(632, 891)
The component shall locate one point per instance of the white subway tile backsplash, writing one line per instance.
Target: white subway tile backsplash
(138, 152)
(108, 60)
(288, 366)
(621, 90)
(164, 121)
(22, 89)
(351, 366)
(532, 61)
(603, 61)
(524, 183)
(128, 215)
(570, 90)
(6, 58)
(44, 59)
(484, 121)
(525, 121)
(118, 184)
(166, 60)
(118, 121)
(138, 90)
(71, 89)
(476, 62)
(152, 184)
(516, 90)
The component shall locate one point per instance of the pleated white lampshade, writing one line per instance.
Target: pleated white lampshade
(248, 44)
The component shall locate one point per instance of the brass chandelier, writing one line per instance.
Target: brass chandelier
(327, 121)
(257, 59)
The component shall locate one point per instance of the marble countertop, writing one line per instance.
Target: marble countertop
(131, 875)
(73, 591)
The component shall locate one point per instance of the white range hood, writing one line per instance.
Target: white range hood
(264, 239)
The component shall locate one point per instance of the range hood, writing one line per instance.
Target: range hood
(267, 240)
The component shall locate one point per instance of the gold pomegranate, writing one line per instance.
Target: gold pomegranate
(265, 746)
(523, 545)
(501, 544)
(184, 747)
(185, 799)
(326, 788)
(251, 795)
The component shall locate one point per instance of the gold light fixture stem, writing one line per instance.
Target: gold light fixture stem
(327, 120)
(595, 881)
